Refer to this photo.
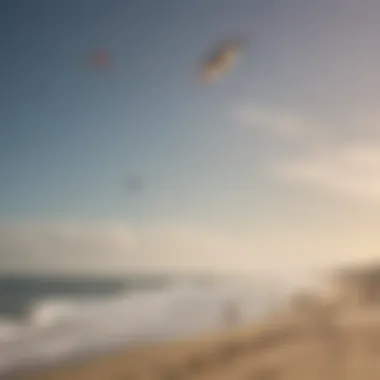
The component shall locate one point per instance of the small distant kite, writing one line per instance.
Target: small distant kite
(220, 60)
(100, 59)
(134, 185)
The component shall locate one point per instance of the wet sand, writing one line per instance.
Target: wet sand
(274, 351)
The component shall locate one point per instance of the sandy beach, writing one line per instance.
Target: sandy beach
(290, 349)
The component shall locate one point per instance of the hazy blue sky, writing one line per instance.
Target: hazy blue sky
(279, 162)
(70, 136)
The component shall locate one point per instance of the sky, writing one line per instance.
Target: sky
(273, 169)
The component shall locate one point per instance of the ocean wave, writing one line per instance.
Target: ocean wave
(9, 329)
(60, 328)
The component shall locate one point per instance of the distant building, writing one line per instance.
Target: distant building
(357, 286)
(231, 314)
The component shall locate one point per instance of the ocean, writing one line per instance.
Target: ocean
(45, 320)
(18, 293)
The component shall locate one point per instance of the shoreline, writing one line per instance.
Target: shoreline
(283, 348)
(180, 354)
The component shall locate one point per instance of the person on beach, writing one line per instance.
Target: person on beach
(231, 314)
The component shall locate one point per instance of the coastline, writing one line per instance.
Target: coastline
(279, 349)
(157, 358)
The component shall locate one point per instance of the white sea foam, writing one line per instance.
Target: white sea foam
(64, 328)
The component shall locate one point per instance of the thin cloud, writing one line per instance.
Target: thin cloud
(279, 123)
(352, 170)
(114, 248)
(343, 161)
